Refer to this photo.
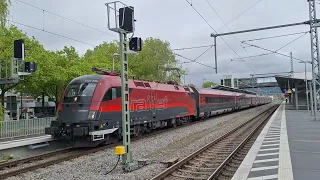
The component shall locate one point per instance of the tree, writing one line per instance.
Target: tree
(55, 70)
(208, 84)
(154, 59)
(151, 63)
(6, 53)
(4, 11)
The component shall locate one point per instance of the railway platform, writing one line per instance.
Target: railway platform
(23, 141)
(287, 148)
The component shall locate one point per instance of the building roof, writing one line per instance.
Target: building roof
(227, 88)
(296, 78)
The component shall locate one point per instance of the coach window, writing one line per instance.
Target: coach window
(110, 94)
(114, 93)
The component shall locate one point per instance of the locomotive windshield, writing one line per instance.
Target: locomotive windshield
(83, 91)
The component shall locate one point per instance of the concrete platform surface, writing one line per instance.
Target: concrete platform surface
(269, 157)
(24, 141)
(288, 148)
(304, 142)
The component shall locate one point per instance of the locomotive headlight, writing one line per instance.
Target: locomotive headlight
(92, 115)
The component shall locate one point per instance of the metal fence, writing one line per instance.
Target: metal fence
(23, 127)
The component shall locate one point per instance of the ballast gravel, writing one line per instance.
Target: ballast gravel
(156, 149)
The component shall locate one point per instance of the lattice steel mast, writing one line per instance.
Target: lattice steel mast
(314, 55)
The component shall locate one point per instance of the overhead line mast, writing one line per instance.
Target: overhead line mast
(314, 55)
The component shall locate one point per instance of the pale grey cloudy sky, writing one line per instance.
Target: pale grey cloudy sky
(177, 22)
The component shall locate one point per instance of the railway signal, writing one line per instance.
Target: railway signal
(19, 49)
(123, 24)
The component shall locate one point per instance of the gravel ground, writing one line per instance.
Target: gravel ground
(176, 143)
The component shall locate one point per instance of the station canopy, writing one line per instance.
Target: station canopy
(288, 82)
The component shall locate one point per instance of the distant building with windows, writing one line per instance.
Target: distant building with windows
(24, 107)
(261, 86)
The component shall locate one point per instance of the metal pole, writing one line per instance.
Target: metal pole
(261, 29)
(112, 62)
(311, 99)
(127, 158)
(314, 53)
(291, 62)
(305, 79)
(215, 54)
(21, 103)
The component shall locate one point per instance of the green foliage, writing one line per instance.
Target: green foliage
(208, 84)
(57, 68)
(154, 59)
(6, 52)
(4, 11)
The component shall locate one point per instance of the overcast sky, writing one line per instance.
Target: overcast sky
(177, 22)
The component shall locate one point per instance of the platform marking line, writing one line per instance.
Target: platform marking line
(271, 149)
(264, 168)
(285, 166)
(246, 165)
(273, 135)
(263, 177)
(271, 141)
(274, 132)
(267, 145)
(267, 154)
(266, 160)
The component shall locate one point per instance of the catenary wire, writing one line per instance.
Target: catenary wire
(193, 61)
(291, 41)
(282, 46)
(194, 47)
(240, 14)
(51, 33)
(230, 31)
(202, 53)
(271, 37)
(259, 55)
(235, 59)
(273, 51)
(214, 30)
(65, 18)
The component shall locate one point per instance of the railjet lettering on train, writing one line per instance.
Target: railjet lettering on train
(151, 103)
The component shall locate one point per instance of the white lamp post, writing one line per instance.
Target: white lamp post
(113, 55)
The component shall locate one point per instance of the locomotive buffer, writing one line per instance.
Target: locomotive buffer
(123, 23)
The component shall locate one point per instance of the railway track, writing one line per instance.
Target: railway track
(68, 154)
(220, 158)
(65, 155)
(61, 156)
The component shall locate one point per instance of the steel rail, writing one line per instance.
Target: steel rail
(234, 152)
(68, 149)
(45, 164)
(82, 153)
(177, 165)
(55, 161)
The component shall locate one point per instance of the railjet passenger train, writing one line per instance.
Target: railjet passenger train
(90, 109)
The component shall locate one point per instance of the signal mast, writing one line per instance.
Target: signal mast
(123, 24)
